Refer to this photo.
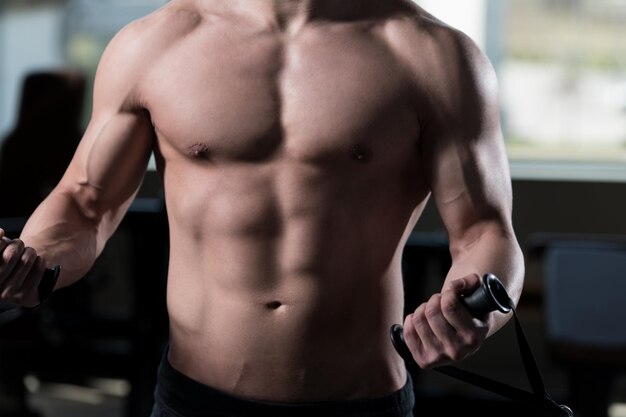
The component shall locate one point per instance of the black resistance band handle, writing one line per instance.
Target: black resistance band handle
(48, 282)
(490, 296)
(45, 288)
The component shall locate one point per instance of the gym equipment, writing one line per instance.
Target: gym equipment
(10, 312)
(492, 296)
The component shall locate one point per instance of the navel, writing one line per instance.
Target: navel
(273, 305)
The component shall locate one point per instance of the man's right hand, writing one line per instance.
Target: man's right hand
(21, 271)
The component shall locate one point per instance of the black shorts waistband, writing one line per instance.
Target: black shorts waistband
(186, 397)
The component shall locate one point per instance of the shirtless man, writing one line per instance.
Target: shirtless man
(298, 142)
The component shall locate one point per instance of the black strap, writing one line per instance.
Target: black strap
(539, 399)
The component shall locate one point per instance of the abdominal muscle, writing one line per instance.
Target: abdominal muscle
(273, 296)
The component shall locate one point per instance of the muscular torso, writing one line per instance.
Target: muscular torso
(292, 177)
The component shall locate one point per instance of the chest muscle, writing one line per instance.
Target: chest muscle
(319, 97)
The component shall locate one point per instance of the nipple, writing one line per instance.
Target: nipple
(199, 150)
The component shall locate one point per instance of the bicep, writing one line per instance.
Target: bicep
(471, 185)
(109, 164)
(111, 159)
(468, 167)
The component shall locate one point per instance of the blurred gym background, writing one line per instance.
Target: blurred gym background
(93, 349)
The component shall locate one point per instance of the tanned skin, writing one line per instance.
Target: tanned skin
(298, 143)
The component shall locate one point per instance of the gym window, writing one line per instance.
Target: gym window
(562, 71)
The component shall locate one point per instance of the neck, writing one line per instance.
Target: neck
(287, 14)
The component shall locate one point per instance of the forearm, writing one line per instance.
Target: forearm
(62, 234)
(493, 250)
